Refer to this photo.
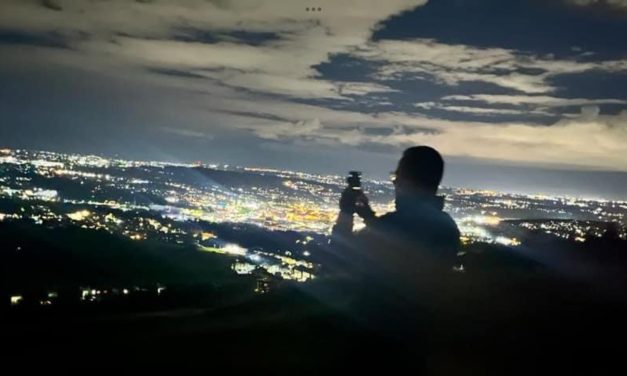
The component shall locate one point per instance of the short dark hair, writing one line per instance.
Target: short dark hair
(422, 166)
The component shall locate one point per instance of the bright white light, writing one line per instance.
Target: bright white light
(506, 241)
(16, 299)
(172, 199)
(234, 249)
(46, 194)
(243, 268)
(485, 220)
(43, 163)
(79, 215)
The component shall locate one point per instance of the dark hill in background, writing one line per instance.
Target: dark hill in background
(33, 257)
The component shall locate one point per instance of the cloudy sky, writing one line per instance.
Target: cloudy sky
(519, 95)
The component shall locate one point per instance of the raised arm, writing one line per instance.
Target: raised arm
(351, 202)
(343, 228)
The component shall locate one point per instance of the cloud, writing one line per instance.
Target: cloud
(542, 100)
(190, 55)
(589, 140)
(300, 128)
(448, 64)
(614, 3)
(480, 110)
(147, 34)
(362, 88)
(452, 64)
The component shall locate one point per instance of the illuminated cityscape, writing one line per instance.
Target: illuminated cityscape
(144, 200)
(93, 189)
(179, 203)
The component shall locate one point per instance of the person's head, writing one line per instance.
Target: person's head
(419, 171)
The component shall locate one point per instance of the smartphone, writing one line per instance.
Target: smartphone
(354, 180)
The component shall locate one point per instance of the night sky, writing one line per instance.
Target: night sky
(526, 96)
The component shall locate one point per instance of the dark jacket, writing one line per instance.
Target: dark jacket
(397, 270)
(418, 240)
(420, 221)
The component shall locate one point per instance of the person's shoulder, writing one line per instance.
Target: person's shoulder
(449, 232)
(447, 224)
(446, 217)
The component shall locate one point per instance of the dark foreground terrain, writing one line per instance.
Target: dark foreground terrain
(503, 314)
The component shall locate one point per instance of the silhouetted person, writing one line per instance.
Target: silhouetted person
(395, 274)
(419, 224)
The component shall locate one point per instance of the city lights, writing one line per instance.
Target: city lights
(80, 215)
(151, 200)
